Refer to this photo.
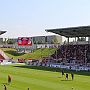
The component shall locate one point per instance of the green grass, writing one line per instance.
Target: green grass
(42, 78)
(36, 54)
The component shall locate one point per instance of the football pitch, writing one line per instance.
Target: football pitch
(41, 79)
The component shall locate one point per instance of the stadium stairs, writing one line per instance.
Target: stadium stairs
(3, 55)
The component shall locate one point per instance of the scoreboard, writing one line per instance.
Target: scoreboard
(24, 41)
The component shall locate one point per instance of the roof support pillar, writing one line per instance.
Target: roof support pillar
(85, 38)
(88, 40)
(75, 39)
(68, 40)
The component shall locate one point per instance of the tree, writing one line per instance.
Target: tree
(54, 40)
(9, 41)
(5, 41)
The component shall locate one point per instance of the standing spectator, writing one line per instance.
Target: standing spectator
(72, 88)
(62, 73)
(5, 88)
(66, 76)
(28, 89)
(70, 67)
(72, 75)
(9, 79)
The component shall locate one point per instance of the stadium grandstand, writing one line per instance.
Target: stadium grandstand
(2, 54)
(76, 52)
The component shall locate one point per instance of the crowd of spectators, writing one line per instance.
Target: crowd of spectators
(79, 54)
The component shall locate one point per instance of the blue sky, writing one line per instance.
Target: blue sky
(32, 17)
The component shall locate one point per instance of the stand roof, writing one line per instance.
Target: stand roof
(80, 31)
